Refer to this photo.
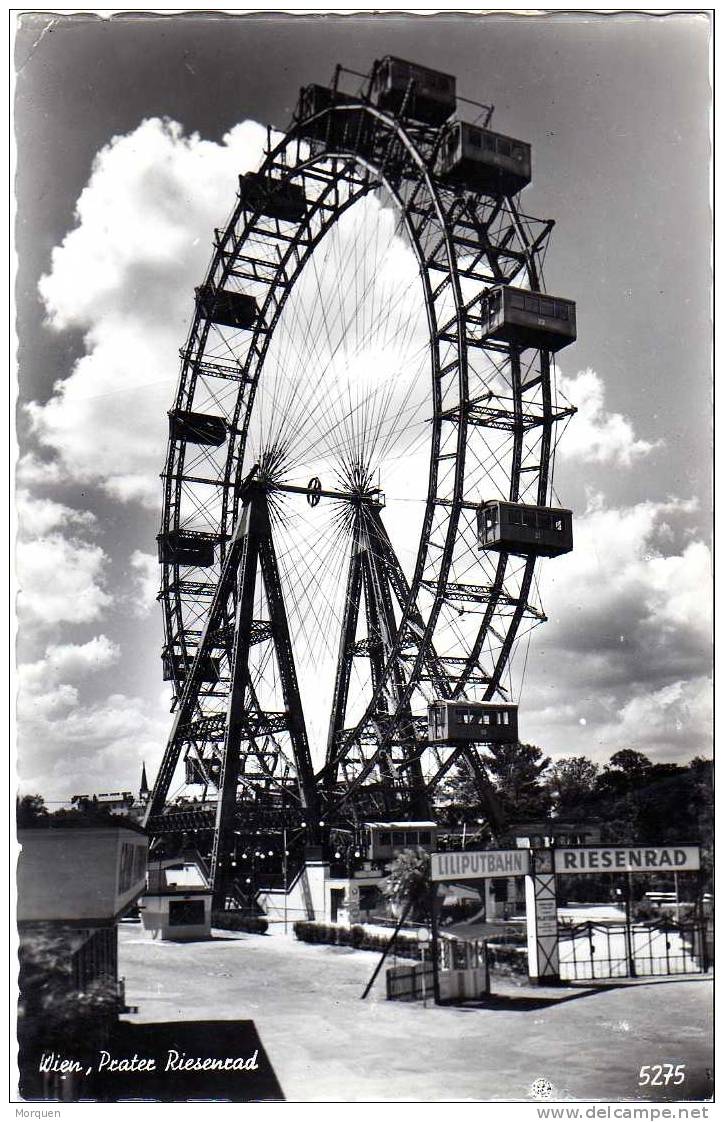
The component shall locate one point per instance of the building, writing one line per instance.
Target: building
(76, 880)
(177, 902)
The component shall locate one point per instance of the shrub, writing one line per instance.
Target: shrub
(237, 921)
(310, 931)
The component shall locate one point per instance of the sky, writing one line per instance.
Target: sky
(130, 136)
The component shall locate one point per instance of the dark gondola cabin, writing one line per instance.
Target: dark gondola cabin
(348, 129)
(471, 722)
(178, 547)
(528, 319)
(197, 428)
(174, 667)
(481, 160)
(272, 197)
(426, 95)
(544, 531)
(229, 309)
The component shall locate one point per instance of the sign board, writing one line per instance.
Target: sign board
(481, 863)
(627, 859)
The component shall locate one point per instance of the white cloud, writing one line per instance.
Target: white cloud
(32, 471)
(146, 581)
(89, 748)
(627, 648)
(68, 743)
(42, 683)
(598, 436)
(36, 517)
(125, 274)
(61, 581)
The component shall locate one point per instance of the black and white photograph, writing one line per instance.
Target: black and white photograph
(362, 450)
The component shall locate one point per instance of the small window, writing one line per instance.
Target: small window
(506, 717)
(517, 300)
(547, 308)
(425, 837)
(486, 718)
(488, 142)
(385, 837)
(558, 525)
(398, 837)
(518, 153)
(474, 138)
(503, 146)
(561, 310)
(532, 304)
(500, 890)
(185, 913)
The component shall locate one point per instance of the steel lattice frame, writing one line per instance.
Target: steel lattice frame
(493, 412)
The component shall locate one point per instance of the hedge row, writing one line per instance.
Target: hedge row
(233, 921)
(309, 931)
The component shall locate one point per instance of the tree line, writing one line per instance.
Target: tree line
(632, 799)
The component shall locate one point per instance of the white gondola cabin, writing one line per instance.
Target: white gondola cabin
(385, 839)
(528, 319)
(472, 722)
(481, 160)
(425, 95)
(227, 308)
(517, 528)
(272, 197)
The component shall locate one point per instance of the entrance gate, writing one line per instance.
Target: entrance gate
(619, 950)
(558, 953)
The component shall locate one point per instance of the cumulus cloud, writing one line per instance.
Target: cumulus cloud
(625, 657)
(61, 581)
(67, 741)
(42, 682)
(38, 516)
(144, 567)
(125, 275)
(94, 747)
(598, 436)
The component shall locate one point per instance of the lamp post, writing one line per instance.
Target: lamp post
(284, 865)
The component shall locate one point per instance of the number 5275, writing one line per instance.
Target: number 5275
(660, 1075)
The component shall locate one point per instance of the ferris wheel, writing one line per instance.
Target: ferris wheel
(358, 481)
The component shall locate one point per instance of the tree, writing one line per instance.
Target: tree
(30, 808)
(408, 883)
(517, 770)
(626, 770)
(572, 786)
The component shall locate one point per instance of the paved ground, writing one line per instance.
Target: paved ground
(325, 1044)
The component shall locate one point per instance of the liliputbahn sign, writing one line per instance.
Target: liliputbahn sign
(540, 867)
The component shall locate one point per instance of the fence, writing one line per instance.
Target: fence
(598, 950)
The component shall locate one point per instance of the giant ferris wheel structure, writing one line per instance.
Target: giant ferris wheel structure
(358, 482)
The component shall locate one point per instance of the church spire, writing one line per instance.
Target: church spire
(143, 792)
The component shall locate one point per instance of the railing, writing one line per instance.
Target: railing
(618, 950)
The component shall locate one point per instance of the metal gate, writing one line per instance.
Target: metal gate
(620, 950)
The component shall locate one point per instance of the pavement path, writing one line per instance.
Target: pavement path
(326, 1045)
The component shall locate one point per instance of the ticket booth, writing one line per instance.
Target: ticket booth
(177, 903)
